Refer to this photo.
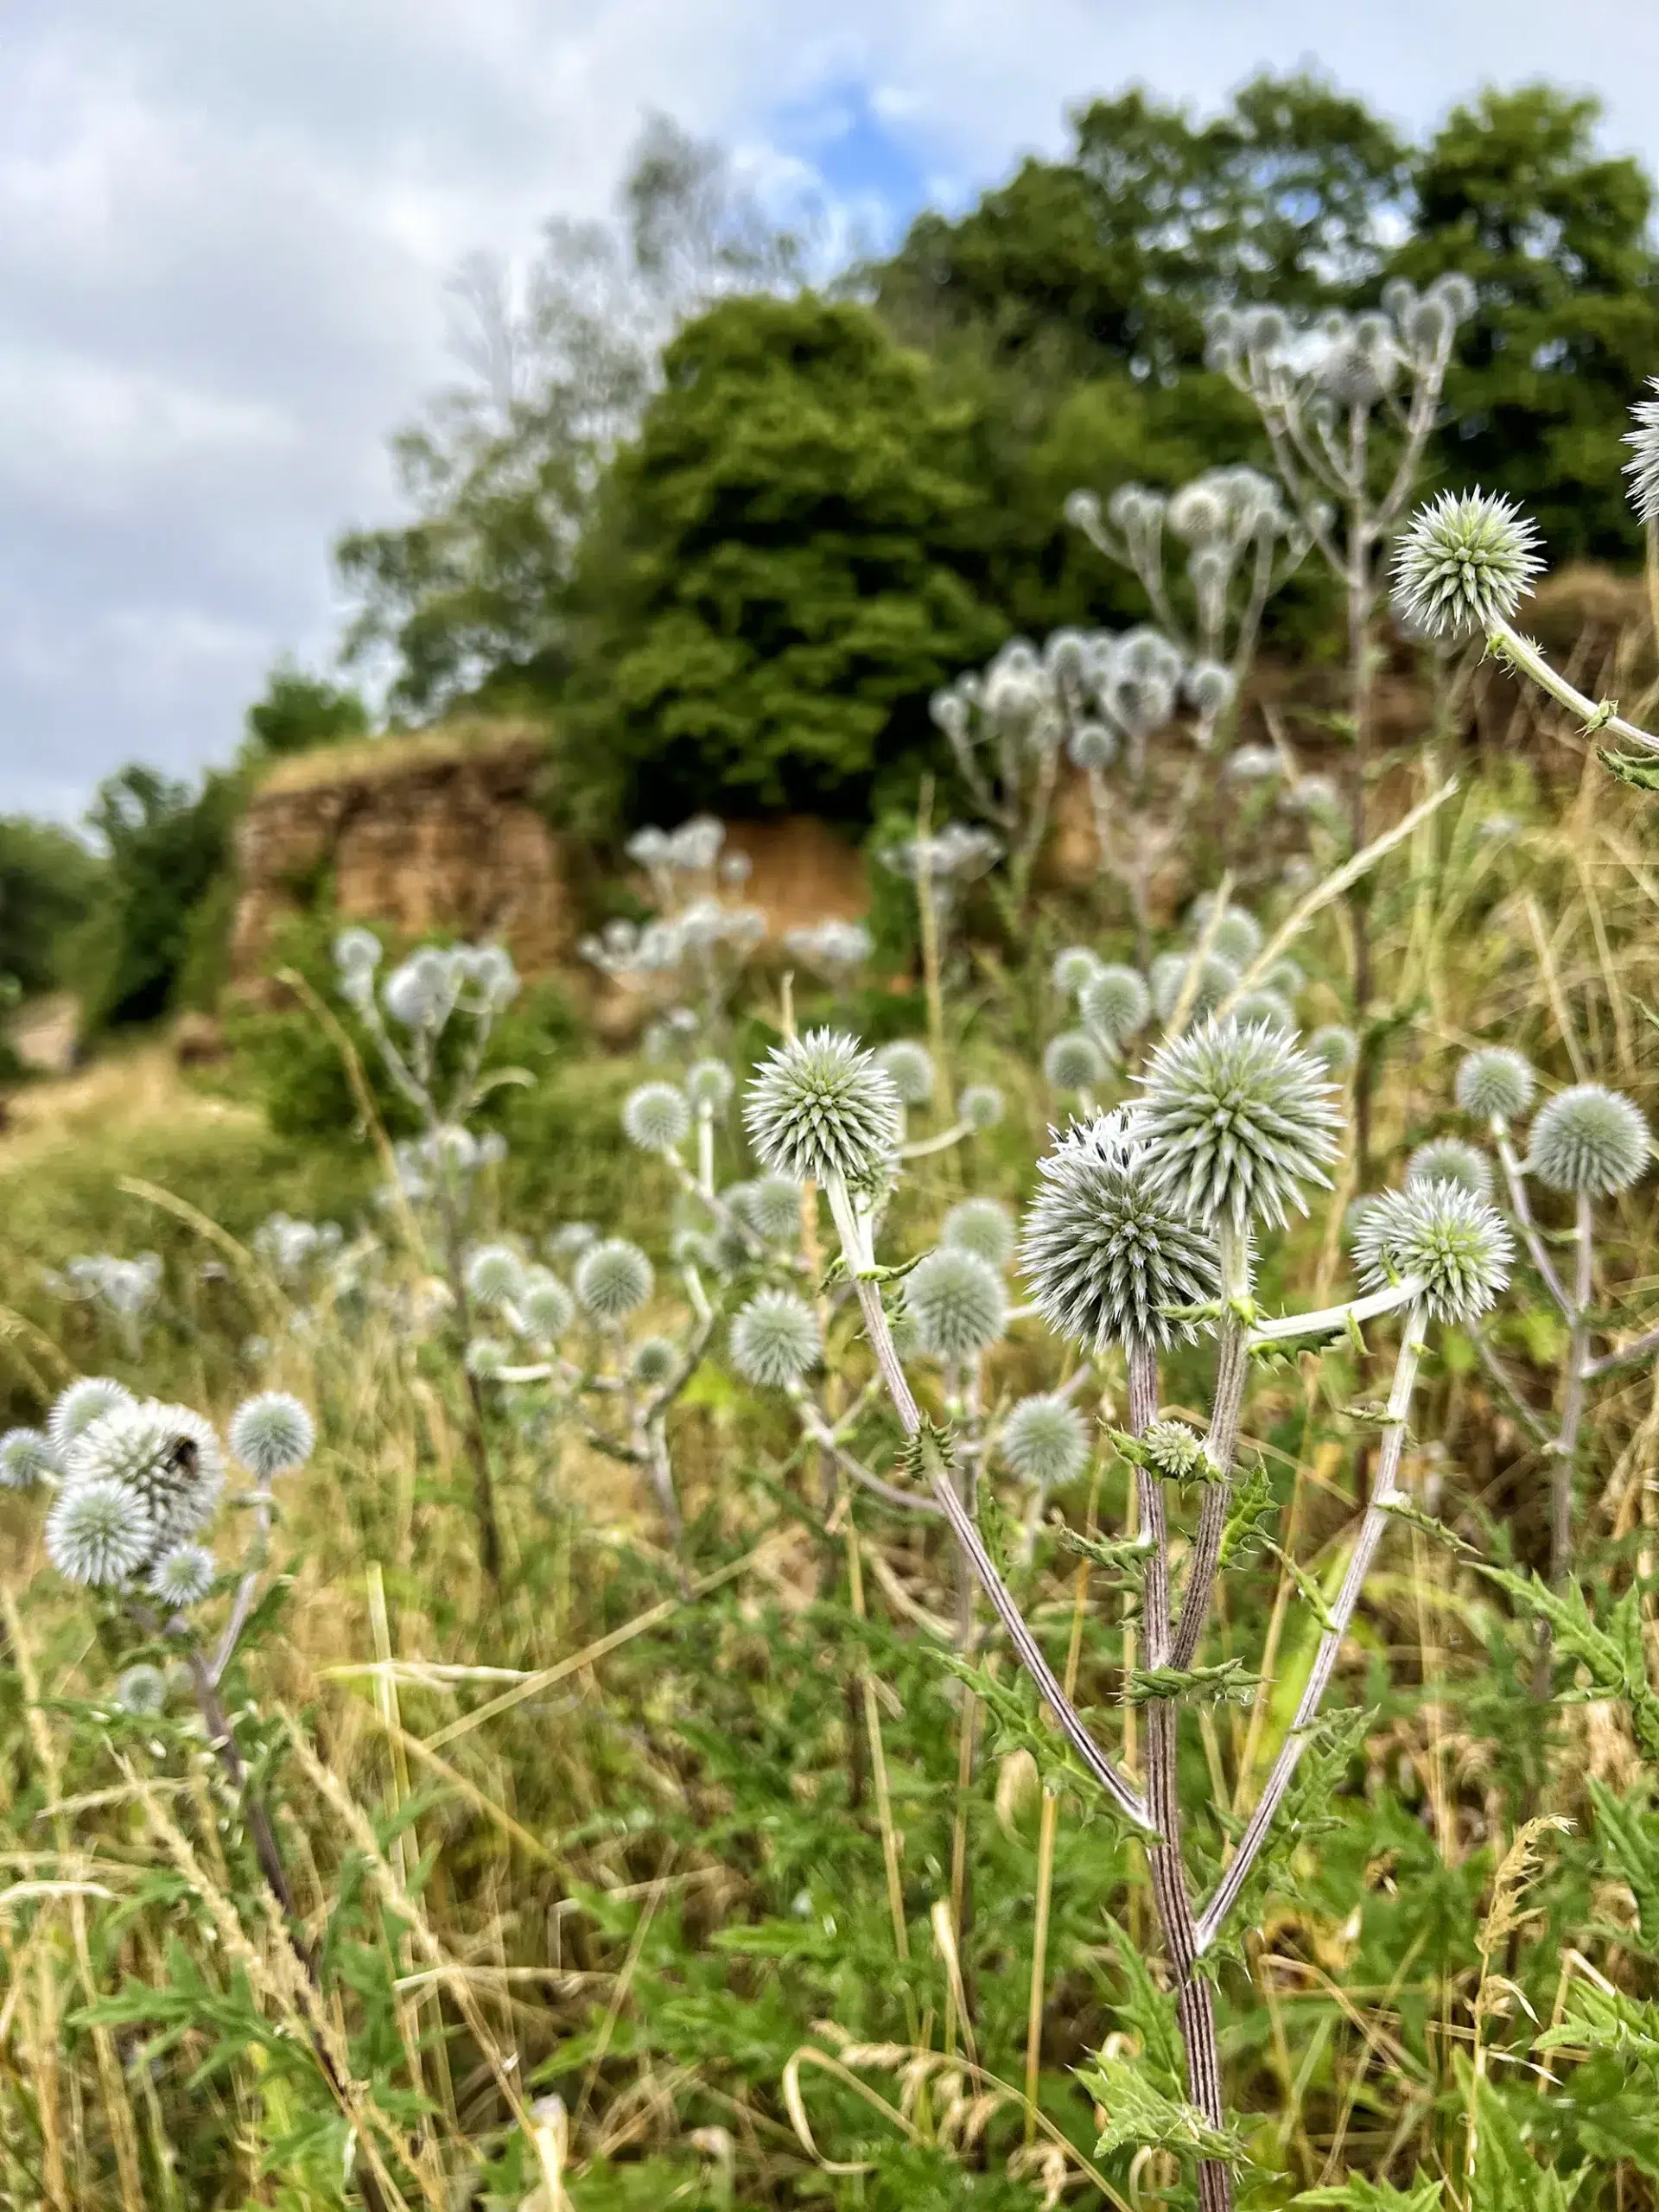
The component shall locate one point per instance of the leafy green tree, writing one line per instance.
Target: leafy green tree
(787, 561)
(1513, 191)
(299, 712)
(48, 881)
(166, 847)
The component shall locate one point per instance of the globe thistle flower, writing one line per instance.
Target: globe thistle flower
(141, 1691)
(1464, 562)
(654, 1362)
(1176, 1452)
(357, 952)
(771, 1207)
(1334, 1047)
(1642, 467)
(1116, 1002)
(1236, 1120)
(613, 1279)
(100, 1532)
(979, 1106)
(1074, 1061)
(1267, 1008)
(1073, 970)
(182, 1577)
(910, 1069)
(1286, 977)
(1442, 1236)
(983, 1226)
(489, 969)
(26, 1458)
(485, 1357)
(1449, 1160)
(76, 1409)
(1216, 979)
(775, 1339)
(1093, 747)
(1495, 1084)
(1045, 1441)
(1105, 1254)
(546, 1307)
(168, 1457)
(495, 1274)
(820, 1108)
(957, 1302)
(710, 1085)
(272, 1433)
(657, 1116)
(1235, 935)
(1210, 688)
(1588, 1142)
(419, 992)
(570, 1239)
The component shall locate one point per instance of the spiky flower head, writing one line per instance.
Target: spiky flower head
(357, 952)
(909, 1069)
(272, 1433)
(168, 1457)
(957, 1302)
(1454, 1243)
(983, 1226)
(1449, 1160)
(1106, 1254)
(546, 1308)
(485, 1357)
(141, 1691)
(1334, 1047)
(772, 1206)
(775, 1339)
(76, 1409)
(1045, 1441)
(1495, 1084)
(1464, 562)
(495, 1274)
(1176, 1452)
(654, 1361)
(1642, 467)
(1267, 1006)
(26, 1458)
(710, 1085)
(1116, 1002)
(100, 1532)
(1074, 1061)
(979, 1106)
(1236, 1122)
(657, 1116)
(570, 1238)
(1073, 970)
(820, 1107)
(613, 1278)
(1588, 1142)
(1210, 979)
(182, 1576)
(1235, 934)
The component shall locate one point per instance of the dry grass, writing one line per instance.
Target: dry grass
(468, 738)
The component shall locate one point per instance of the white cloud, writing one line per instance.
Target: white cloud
(224, 233)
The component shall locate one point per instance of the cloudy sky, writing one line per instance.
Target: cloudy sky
(224, 227)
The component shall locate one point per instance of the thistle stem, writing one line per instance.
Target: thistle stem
(1521, 1206)
(1526, 659)
(1232, 1370)
(1330, 1319)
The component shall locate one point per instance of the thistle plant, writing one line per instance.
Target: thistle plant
(126, 1290)
(701, 938)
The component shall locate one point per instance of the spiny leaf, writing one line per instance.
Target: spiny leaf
(1140, 2117)
(1230, 1681)
(1254, 1515)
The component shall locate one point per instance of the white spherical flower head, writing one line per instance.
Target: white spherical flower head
(1588, 1142)
(1116, 1002)
(1642, 467)
(710, 1085)
(1093, 747)
(100, 1532)
(1464, 562)
(983, 1226)
(1444, 1238)
(485, 1357)
(1495, 1084)
(357, 952)
(182, 1577)
(167, 1456)
(956, 1304)
(821, 1108)
(1334, 1047)
(772, 1206)
(76, 1409)
(979, 1106)
(613, 1279)
(1073, 970)
(1175, 1450)
(1105, 1253)
(1236, 1120)
(657, 1116)
(653, 1362)
(570, 1239)
(1212, 979)
(26, 1458)
(141, 1691)
(1074, 1061)
(1287, 978)
(272, 1433)
(775, 1339)
(1449, 1160)
(1235, 935)
(546, 1308)
(910, 1069)
(1268, 1008)
(495, 1274)
(1045, 1441)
